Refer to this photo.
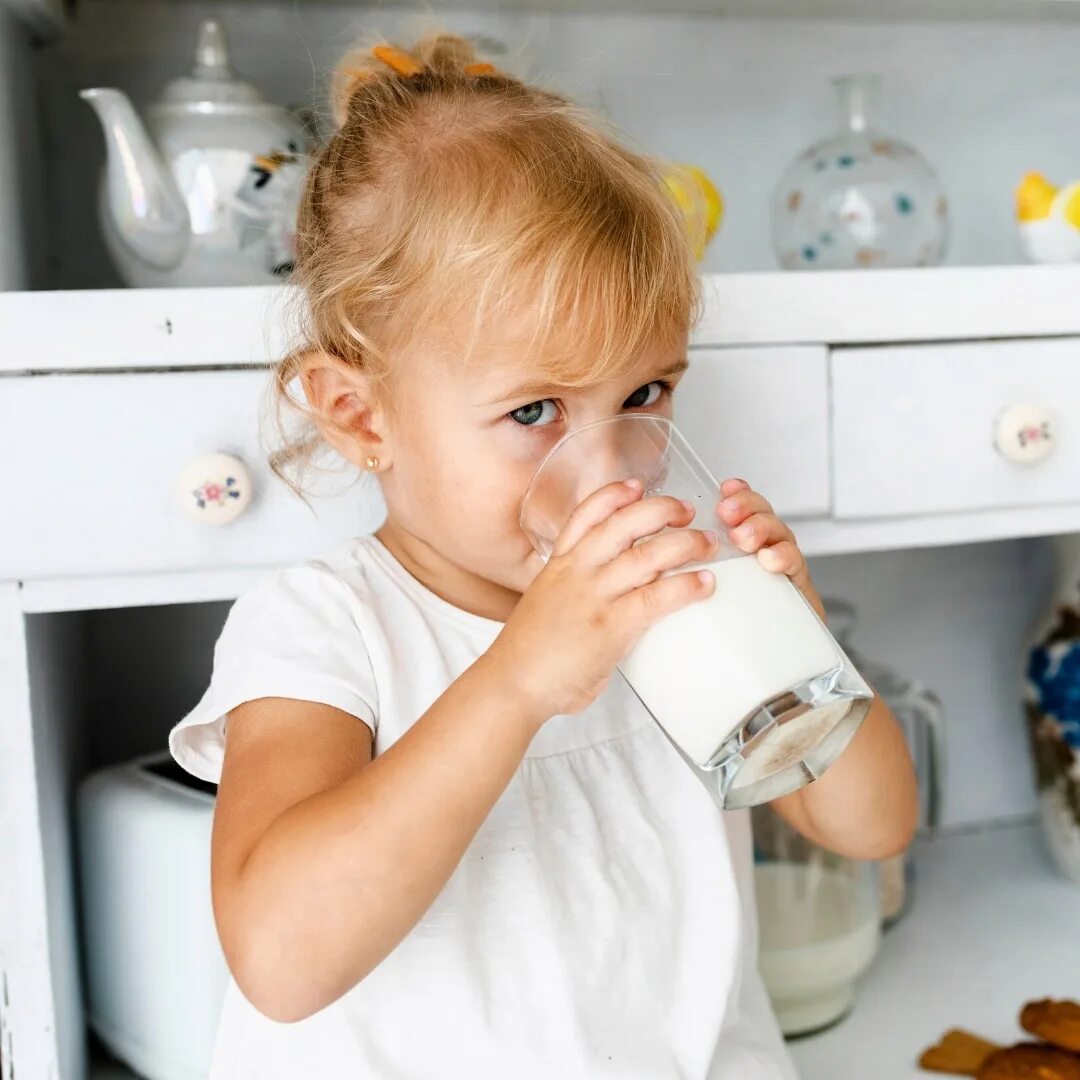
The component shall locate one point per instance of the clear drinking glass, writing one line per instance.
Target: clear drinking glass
(749, 685)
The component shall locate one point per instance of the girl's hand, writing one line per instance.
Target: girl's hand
(598, 593)
(754, 528)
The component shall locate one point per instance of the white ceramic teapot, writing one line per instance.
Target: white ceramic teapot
(206, 193)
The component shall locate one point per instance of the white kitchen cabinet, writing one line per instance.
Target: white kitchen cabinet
(930, 429)
(111, 599)
(762, 414)
(111, 501)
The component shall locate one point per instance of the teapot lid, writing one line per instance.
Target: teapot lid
(212, 80)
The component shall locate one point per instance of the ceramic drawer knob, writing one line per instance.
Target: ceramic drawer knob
(214, 489)
(1025, 433)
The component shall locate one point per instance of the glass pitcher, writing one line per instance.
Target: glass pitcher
(921, 716)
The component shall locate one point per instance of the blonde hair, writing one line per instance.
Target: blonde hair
(450, 183)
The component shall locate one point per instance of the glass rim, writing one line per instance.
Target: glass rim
(664, 421)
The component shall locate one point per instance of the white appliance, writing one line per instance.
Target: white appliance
(154, 968)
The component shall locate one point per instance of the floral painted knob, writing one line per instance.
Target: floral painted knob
(1025, 433)
(214, 489)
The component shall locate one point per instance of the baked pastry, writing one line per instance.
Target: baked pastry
(1055, 1022)
(1030, 1061)
(959, 1052)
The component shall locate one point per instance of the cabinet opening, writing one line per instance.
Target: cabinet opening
(106, 687)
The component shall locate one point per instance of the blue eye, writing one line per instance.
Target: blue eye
(646, 395)
(536, 413)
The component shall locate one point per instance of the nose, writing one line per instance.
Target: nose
(630, 447)
(601, 459)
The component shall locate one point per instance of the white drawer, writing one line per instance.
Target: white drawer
(915, 426)
(762, 414)
(91, 467)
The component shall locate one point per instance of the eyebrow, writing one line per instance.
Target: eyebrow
(539, 391)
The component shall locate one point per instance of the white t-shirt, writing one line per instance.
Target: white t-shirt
(601, 922)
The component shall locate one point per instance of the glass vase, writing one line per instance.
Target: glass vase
(859, 199)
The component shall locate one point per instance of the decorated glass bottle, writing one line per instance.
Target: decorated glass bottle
(859, 198)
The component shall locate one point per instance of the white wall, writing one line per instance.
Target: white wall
(986, 102)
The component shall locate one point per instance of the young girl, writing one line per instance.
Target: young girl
(449, 842)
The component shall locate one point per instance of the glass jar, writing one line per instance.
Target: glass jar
(921, 716)
(819, 925)
(859, 198)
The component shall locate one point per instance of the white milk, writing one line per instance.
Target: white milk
(819, 931)
(702, 670)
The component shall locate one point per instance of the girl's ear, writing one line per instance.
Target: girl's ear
(346, 409)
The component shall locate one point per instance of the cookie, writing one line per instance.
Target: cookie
(1030, 1061)
(959, 1052)
(1055, 1022)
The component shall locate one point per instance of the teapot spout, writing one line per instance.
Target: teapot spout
(142, 204)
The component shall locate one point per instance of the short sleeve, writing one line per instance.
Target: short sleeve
(295, 635)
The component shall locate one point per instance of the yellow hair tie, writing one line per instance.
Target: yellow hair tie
(397, 60)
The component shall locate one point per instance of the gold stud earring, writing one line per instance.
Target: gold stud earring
(372, 462)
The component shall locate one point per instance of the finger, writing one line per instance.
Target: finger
(757, 531)
(786, 558)
(731, 485)
(783, 557)
(594, 509)
(644, 563)
(736, 508)
(624, 528)
(650, 603)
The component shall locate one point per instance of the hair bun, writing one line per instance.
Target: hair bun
(445, 55)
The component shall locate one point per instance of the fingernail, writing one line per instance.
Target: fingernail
(689, 506)
(633, 485)
(711, 537)
(743, 532)
(706, 577)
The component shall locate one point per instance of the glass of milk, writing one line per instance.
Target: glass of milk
(749, 685)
